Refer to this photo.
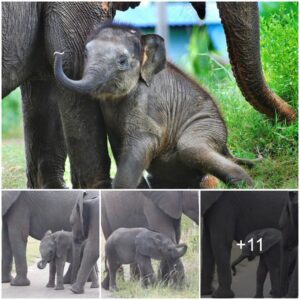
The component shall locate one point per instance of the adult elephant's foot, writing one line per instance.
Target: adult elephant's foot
(20, 281)
(94, 285)
(59, 287)
(223, 293)
(77, 289)
(205, 290)
(6, 278)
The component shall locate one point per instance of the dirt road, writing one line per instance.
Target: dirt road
(37, 289)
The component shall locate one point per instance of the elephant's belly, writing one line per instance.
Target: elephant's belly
(168, 171)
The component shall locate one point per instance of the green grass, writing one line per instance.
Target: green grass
(133, 289)
(250, 133)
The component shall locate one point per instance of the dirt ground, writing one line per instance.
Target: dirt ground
(37, 289)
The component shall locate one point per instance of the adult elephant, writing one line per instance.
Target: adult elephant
(288, 224)
(160, 211)
(57, 122)
(31, 213)
(85, 227)
(230, 216)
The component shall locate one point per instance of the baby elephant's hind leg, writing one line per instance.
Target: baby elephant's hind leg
(201, 156)
(94, 277)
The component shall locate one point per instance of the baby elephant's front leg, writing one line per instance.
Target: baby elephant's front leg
(52, 271)
(147, 273)
(60, 265)
(133, 161)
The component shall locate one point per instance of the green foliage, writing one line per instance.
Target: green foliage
(279, 51)
(11, 115)
(251, 133)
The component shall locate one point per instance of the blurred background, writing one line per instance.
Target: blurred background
(199, 47)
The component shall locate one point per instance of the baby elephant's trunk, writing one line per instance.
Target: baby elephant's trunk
(42, 264)
(236, 262)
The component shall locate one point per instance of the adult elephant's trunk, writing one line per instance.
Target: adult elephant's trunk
(241, 25)
(84, 86)
(236, 262)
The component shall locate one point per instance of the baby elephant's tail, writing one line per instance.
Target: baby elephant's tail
(242, 161)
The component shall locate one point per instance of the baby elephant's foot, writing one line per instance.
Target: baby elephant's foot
(95, 285)
(50, 284)
(59, 287)
(20, 281)
(113, 288)
(223, 293)
(77, 289)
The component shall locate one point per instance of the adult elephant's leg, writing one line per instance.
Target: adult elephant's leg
(89, 259)
(6, 254)
(44, 140)
(86, 141)
(221, 236)
(18, 230)
(67, 25)
(207, 262)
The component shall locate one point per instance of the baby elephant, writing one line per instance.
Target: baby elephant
(56, 249)
(138, 245)
(269, 260)
(157, 118)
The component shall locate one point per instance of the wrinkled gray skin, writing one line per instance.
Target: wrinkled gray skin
(159, 211)
(73, 128)
(138, 245)
(85, 228)
(269, 258)
(31, 213)
(57, 122)
(56, 249)
(157, 118)
(237, 213)
(288, 224)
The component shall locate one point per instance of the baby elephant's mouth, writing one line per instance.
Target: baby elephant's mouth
(42, 264)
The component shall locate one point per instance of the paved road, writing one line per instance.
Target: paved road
(37, 289)
(244, 283)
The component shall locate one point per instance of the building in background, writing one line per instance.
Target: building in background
(175, 22)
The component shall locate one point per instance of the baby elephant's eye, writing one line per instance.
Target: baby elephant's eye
(123, 61)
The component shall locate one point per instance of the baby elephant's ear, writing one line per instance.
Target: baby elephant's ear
(153, 56)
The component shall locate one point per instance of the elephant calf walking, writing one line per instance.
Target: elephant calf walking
(138, 245)
(265, 244)
(56, 249)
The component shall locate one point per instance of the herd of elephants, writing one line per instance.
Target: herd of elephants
(86, 81)
(141, 226)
